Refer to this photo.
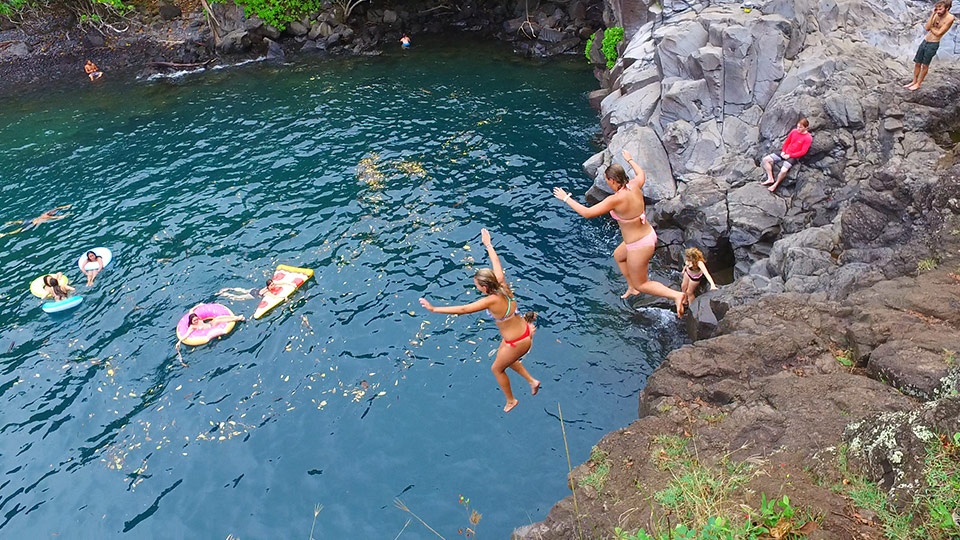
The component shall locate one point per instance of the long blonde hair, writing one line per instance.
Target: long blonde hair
(489, 281)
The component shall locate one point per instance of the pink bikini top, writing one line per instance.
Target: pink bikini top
(641, 217)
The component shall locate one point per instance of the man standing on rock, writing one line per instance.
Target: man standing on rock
(794, 148)
(937, 25)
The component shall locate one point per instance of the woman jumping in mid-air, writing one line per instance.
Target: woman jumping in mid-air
(639, 239)
(517, 331)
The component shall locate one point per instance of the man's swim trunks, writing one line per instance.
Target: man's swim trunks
(926, 52)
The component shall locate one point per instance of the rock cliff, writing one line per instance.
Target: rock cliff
(834, 350)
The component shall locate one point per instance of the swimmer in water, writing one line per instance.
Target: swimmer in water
(49, 215)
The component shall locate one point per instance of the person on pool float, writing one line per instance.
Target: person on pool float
(92, 258)
(196, 323)
(274, 287)
(51, 284)
(516, 331)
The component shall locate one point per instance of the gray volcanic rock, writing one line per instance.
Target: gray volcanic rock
(843, 322)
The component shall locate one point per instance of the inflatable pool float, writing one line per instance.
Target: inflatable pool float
(36, 286)
(204, 311)
(62, 305)
(103, 252)
(289, 278)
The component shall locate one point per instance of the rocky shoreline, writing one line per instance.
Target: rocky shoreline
(831, 358)
(52, 46)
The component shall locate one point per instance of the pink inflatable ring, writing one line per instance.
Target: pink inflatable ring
(204, 311)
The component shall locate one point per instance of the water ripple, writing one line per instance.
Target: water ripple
(378, 174)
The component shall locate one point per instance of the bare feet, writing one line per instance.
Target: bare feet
(510, 405)
(913, 87)
(630, 292)
(768, 182)
(909, 84)
(534, 387)
(771, 189)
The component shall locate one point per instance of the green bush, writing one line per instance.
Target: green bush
(10, 7)
(611, 37)
(278, 13)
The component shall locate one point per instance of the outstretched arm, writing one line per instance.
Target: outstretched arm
(639, 178)
(492, 253)
(472, 307)
(598, 209)
(703, 268)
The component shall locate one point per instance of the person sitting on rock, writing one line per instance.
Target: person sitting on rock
(937, 25)
(405, 41)
(794, 148)
(92, 70)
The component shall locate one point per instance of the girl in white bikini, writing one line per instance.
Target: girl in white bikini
(516, 331)
(639, 239)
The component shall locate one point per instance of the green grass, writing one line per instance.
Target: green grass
(601, 470)
(925, 265)
(699, 501)
(935, 511)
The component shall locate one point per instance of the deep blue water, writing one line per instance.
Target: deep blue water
(378, 173)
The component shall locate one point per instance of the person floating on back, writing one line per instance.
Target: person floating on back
(794, 148)
(937, 25)
(92, 71)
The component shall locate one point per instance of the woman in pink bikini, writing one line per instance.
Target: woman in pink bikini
(517, 331)
(627, 207)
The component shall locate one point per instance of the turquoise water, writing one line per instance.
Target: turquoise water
(377, 173)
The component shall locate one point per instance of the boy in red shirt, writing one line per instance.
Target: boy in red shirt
(794, 148)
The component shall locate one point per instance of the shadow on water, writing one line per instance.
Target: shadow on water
(377, 173)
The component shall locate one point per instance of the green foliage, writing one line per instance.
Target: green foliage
(774, 520)
(701, 498)
(8, 8)
(278, 13)
(611, 37)
(844, 358)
